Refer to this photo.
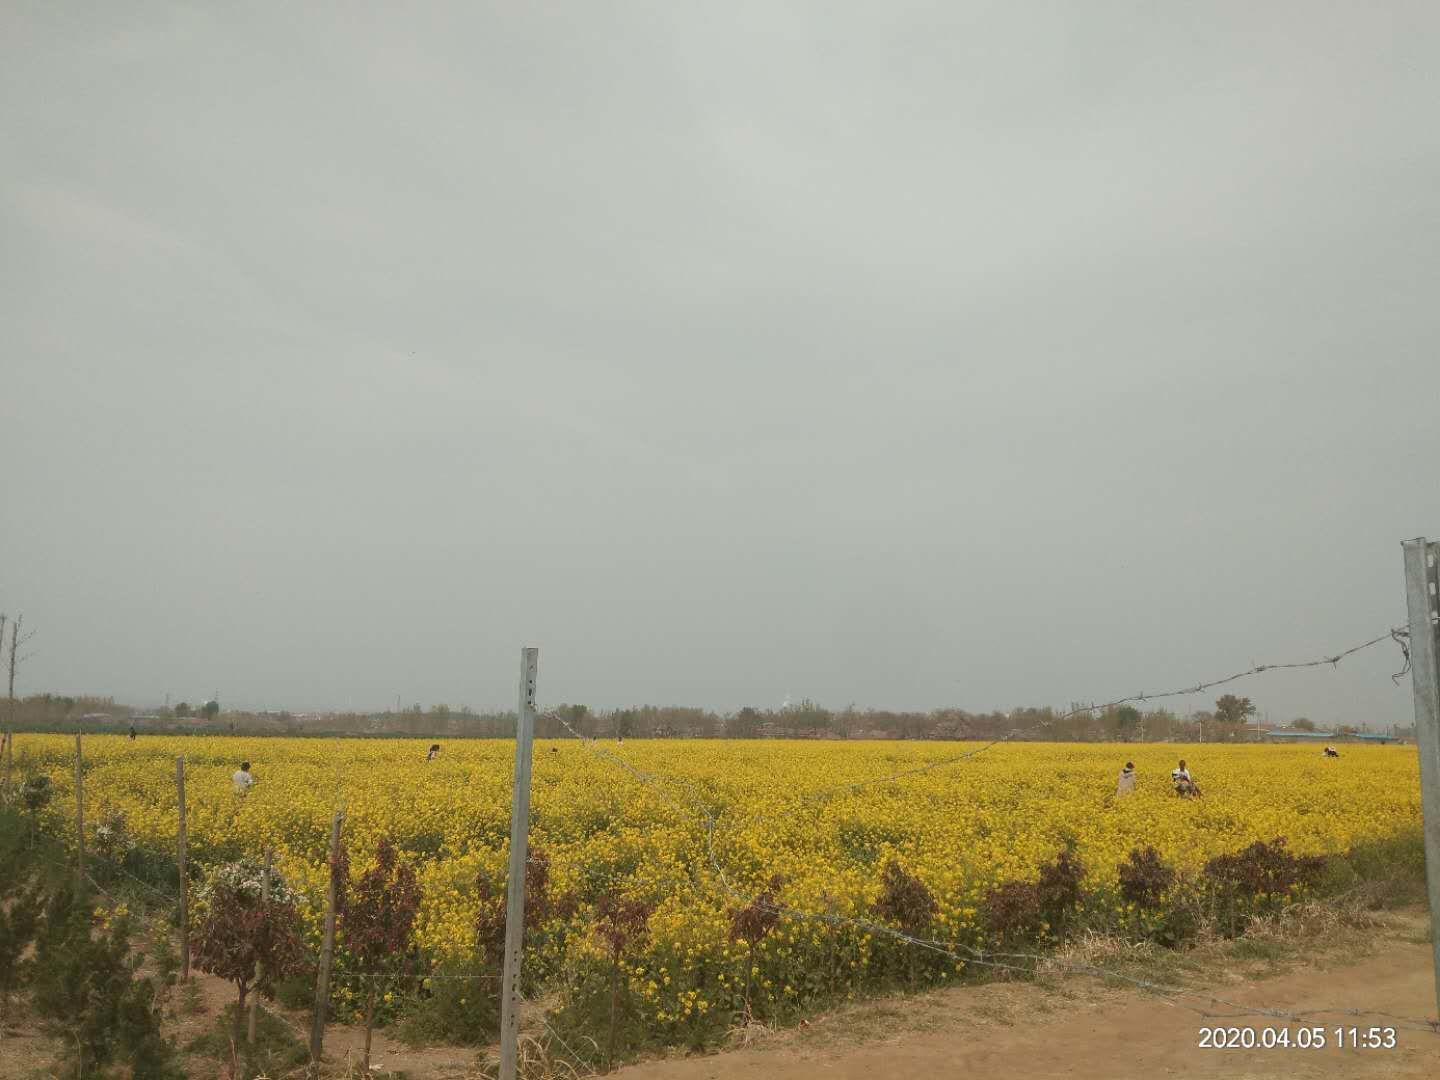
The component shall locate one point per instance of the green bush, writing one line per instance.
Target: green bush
(460, 1004)
(298, 991)
(18, 925)
(1391, 870)
(600, 1006)
(277, 1050)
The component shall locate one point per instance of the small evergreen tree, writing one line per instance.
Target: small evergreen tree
(84, 985)
(17, 931)
(36, 795)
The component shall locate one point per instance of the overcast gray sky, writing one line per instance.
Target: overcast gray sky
(904, 355)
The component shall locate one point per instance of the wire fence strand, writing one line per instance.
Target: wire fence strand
(693, 802)
(982, 958)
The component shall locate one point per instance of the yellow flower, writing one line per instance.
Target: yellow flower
(959, 829)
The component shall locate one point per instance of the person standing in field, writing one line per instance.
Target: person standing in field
(1126, 783)
(132, 732)
(434, 752)
(1185, 785)
(242, 779)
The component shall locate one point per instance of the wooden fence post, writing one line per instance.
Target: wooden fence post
(181, 856)
(79, 817)
(327, 951)
(255, 997)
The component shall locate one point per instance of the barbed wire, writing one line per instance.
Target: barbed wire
(1402, 638)
(697, 801)
(1393, 634)
(414, 976)
(981, 957)
(153, 890)
(965, 954)
(1396, 634)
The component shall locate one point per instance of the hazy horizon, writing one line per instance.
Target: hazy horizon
(905, 356)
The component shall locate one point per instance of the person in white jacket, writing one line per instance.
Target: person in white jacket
(1185, 785)
(242, 779)
(1126, 783)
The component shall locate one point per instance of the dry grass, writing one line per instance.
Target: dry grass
(1323, 932)
(538, 1060)
(747, 1032)
(1336, 929)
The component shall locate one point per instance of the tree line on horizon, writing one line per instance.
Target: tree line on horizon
(1228, 721)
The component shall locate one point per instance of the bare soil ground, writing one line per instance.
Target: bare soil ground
(1081, 1030)
(1068, 1027)
(26, 1054)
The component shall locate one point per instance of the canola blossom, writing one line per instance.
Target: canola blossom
(717, 820)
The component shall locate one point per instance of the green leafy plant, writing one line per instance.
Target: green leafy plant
(906, 902)
(620, 923)
(752, 924)
(36, 795)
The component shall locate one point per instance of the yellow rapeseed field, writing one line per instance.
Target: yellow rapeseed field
(960, 829)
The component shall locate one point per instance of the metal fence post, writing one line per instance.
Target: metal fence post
(519, 852)
(1422, 564)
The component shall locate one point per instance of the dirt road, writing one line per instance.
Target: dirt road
(1021, 1033)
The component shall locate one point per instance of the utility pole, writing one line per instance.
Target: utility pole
(1422, 599)
(519, 856)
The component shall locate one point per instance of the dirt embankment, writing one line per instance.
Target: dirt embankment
(1070, 1027)
(1024, 1032)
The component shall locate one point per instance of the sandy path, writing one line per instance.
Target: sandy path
(1102, 1035)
